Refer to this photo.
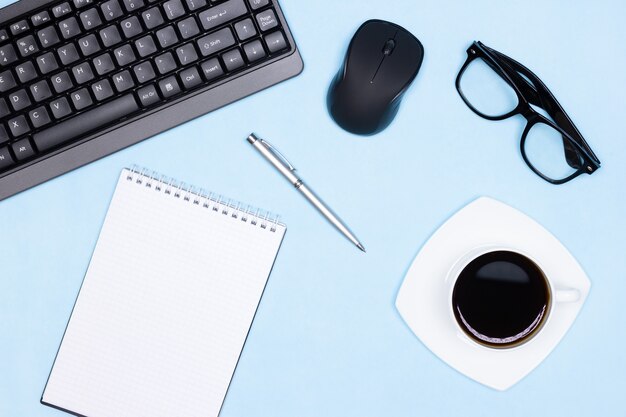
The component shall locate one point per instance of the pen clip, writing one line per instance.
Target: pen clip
(277, 153)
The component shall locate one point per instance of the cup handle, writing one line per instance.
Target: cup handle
(569, 295)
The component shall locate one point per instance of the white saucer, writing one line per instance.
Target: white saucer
(424, 298)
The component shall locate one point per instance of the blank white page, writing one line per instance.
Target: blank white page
(165, 306)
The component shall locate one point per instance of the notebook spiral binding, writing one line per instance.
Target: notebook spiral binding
(207, 199)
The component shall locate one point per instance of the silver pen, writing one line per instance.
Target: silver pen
(281, 164)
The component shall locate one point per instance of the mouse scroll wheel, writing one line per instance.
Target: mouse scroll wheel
(390, 45)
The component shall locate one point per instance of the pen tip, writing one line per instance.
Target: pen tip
(361, 247)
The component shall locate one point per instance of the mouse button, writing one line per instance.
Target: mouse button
(409, 47)
(394, 74)
(400, 68)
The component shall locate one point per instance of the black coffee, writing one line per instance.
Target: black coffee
(501, 299)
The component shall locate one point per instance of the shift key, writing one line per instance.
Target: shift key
(216, 42)
(222, 13)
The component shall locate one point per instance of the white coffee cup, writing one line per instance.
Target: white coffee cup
(556, 296)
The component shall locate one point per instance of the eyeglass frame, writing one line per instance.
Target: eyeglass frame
(531, 90)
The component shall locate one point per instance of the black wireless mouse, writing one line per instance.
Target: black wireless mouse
(382, 62)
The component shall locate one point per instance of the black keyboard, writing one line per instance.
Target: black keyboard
(80, 79)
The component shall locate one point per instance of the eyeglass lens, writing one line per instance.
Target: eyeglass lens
(486, 91)
(545, 151)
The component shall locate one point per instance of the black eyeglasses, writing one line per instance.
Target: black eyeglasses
(497, 87)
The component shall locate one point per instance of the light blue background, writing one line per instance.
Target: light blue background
(327, 340)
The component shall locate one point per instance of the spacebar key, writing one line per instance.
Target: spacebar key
(85, 122)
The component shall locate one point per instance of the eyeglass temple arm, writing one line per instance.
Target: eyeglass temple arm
(543, 97)
(526, 88)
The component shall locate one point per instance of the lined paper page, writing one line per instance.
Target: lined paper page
(164, 310)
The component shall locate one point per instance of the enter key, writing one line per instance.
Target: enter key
(222, 13)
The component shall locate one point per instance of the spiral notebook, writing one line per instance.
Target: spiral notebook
(166, 304)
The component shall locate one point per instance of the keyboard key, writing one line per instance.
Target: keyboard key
(111, 10)
(4, 136)
(4, 108)
(103, 64)
(267, 20)
(67, 54)
(18, 126)
(245, 29)
(123, 81)
(124, 55)
(131, 27)
(211, 69)
(275, 42)
(132, 5)
(19, 27)
(85, 122)
(40, 18)
(173, 9)
(222, 13)
(19, 100)
(47, 63)
(82, 73)
(145, 46)
(22, 149)
(169, 87)
(69, 28)
(102, 90)
(81, 99)
(7, 55)
(257, 4)
(48, 36)
(7, 81)
(26, 72)
(60, 108)
(39, 117)
(144, 72)
(62, 9)
(188, 28)
(186, 54)
(233, 60)
(4, 36)
(152, 17)
(190, 78)
(110, 36)
(167, 36)
(90, 18)
(40, 90)
(82, 3)
(195, 4)
(27, 46)
(61, 82)
(165, 63)
(148, 95)
(6, 160)
(254, 51)
(89, 45)
(216, 42)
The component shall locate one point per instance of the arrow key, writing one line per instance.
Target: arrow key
(245, 29)
(276, 42)
(233, 60)
(254, 51)
(23, 149)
